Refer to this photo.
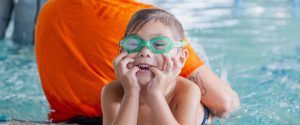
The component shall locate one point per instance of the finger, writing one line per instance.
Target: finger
(175, 62)
(169, 63)
(123, 65)
(119, 58)
(155, 71)
(133, 70)
(116, 62)
(176, 68)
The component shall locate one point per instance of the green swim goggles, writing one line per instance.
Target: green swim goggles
(158, 44)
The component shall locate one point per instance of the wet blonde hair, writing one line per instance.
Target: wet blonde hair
(141, 17)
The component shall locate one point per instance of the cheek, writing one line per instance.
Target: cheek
(159, 61)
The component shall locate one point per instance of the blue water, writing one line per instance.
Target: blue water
(253, 44)
(21, 96)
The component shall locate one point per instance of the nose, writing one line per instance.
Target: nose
(145, 53)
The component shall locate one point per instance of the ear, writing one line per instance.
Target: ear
(184, 53)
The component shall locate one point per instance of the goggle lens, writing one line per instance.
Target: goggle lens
(132, 44)
(158, 44)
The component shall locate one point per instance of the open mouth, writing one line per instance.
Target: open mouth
(144, 66)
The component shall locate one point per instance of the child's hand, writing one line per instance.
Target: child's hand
(125, 75)
(163, 79)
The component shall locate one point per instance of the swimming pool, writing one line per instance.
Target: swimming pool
(254, 44)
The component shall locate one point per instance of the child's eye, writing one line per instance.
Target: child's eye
(159, 44)
(132, 44)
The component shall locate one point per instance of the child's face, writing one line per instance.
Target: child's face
(146, 58)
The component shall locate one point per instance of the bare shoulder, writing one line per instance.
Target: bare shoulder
(111, 98)
(112, 92)
(186, 88)
(113, 85)
(186, 101)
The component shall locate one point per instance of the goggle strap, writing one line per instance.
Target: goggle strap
(180, 44)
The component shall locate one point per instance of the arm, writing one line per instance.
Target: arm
(161, 110)
(217, 95)
(188, 105)
(183, 108)
(115, 113)
(130, 89)
(184, 101)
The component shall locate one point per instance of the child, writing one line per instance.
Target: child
(148, 89)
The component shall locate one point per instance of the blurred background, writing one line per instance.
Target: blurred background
(253, 44)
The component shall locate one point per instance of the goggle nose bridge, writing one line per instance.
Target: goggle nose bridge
(145, 44)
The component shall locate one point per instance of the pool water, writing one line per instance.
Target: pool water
(253, 44)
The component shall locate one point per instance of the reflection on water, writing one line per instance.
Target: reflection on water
(257, 44)
(20, 90)
(252, 43)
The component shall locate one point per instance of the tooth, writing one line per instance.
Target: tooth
(143, 66)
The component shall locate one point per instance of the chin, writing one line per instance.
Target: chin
(144, 81)
(144, 77)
